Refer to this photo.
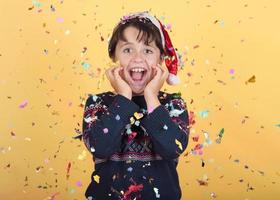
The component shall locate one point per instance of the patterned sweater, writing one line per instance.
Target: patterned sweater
(135, 152)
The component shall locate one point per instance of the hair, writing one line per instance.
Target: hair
(150, 34)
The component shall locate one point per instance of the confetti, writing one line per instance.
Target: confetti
(79, 184)
(37, 3)
(105, 130)
(85, 65)
(13, 134)
(137, 123)
(213, 195)
(204, 113)
(132, 120)
(179, 144)
(208, 141)
(23, 104)
(195, 138)
(117, 117)
(131, 136)
(68, 170)
(251, 80)
(92, 149)
(82, 156)
(96, 178)
(60, 20)
(129, 169)
(94, 98)
(138, 115)
(52, 8)
(156, 191)
(131, 189)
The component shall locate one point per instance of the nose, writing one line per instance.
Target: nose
(138, 57)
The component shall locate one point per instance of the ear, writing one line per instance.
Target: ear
(161, 59)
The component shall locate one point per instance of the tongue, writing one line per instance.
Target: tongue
(137, 76)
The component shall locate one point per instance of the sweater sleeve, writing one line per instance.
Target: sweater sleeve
(168, 128)
(103, 126)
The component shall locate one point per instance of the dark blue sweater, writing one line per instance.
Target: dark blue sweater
(135, 153)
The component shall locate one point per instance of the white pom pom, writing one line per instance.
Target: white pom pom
(173, 79)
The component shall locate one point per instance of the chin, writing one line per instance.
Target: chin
(136, 92)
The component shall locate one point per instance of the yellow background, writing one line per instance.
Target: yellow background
(41, 56)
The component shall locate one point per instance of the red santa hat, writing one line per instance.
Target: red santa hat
(171, 56)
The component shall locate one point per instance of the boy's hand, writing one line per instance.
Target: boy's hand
(153, 87)
(117, 82)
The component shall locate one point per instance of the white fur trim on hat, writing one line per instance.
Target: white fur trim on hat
(172, 79)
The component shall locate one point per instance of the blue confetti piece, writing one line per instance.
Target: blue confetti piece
(86, 65)
(204, 113)
(137, 123)
(94, 98)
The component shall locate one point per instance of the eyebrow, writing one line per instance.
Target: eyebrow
(127, 43)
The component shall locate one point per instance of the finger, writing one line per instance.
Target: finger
(110, 73)
(161, 71)
(117, 72)
(165, 72)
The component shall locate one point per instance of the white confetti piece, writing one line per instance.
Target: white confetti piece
(118, 117)
(156, 191)
(105, 130)
(92, 149)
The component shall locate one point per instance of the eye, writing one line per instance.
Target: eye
(148, 51)
(125, 50)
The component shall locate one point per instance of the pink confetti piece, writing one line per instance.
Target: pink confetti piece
(231, 71)
(79, 184)
(169, 26)
(23, 104)
(59, 19)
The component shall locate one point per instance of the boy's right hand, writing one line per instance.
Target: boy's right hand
(120, 86)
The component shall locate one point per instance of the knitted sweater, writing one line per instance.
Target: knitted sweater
(135, 152)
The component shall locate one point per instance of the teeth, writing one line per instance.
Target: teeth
(137, 69)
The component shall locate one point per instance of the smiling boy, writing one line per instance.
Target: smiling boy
(137, 133)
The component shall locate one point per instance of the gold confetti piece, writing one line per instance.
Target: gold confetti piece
(251, 80)
(132, 120)
(96, 178)
(179, 144)
(138, 115)
(82, 155)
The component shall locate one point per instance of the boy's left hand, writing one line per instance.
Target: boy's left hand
(153, 87)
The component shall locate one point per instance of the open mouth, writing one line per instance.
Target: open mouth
(138, 75)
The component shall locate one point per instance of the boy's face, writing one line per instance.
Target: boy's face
(135, 56)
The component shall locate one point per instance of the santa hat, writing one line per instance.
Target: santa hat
(171, 56)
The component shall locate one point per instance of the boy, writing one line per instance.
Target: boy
(137, 132)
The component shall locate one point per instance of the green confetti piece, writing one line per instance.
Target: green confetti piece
(37, 3)
(221, 132)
